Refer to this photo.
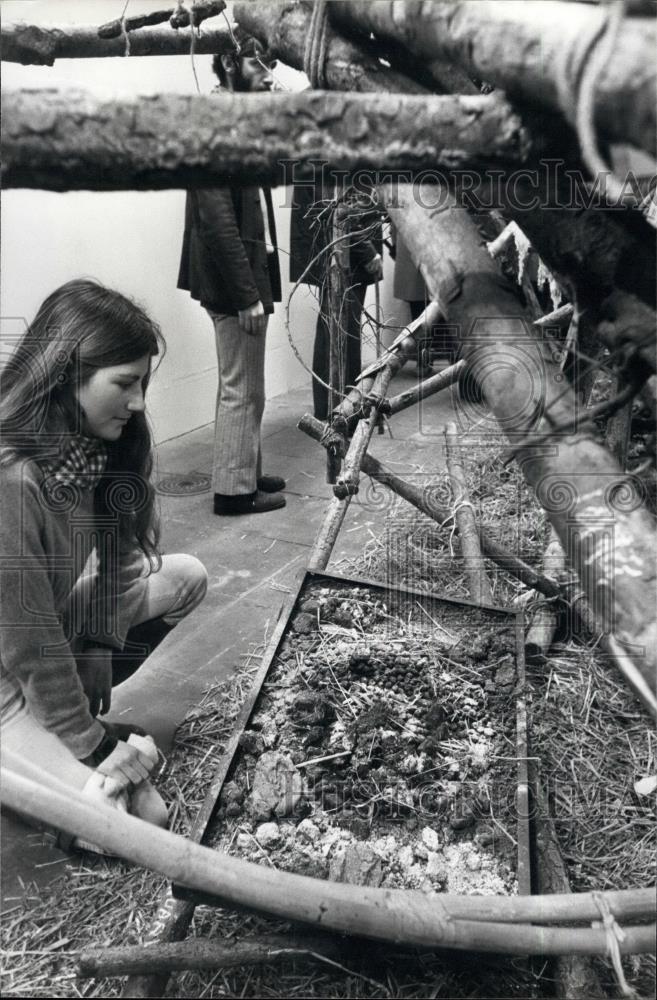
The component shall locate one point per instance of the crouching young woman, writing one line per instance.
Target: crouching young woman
(85, 593)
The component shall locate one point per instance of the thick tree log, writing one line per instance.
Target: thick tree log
(71, 140)
(530, 50)
(42, 44)
(609, 267)
(424, 501)
(478, 582)
(606, 534)
(205, 953)
(603, 257)
(283, 29)
(360, 65)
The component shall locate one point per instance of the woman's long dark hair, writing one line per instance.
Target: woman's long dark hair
(82, 327)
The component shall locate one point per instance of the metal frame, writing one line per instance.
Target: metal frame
(178, 903)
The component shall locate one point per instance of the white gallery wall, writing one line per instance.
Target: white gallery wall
(131, 240)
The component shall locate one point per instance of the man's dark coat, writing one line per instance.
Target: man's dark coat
(224, 262)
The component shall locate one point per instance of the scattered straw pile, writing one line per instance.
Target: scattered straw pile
(414, 551)
(594, 741)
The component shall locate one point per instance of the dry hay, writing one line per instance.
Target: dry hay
(594, 740)
(414, 551)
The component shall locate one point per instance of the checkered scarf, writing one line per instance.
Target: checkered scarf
(81, 465)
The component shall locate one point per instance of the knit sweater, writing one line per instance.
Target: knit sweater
(47, 540)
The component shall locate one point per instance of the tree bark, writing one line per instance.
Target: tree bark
(521, 48)
(177, 18)
(283, 29)
(71, 140)
(596, 253)
(405, 347)
(608, 259)
(204, 953)
(348, 483)
(328, 533)
(41, 44)
(478, 583)
(617, 431)
(606, 534)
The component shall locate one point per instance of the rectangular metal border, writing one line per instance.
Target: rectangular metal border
(304, 577)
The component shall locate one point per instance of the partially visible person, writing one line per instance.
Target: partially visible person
(310, 237)
(409, 286)
(229, 263)
(81, 575)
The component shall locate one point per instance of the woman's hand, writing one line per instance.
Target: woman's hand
(95, 673)
(127, 765)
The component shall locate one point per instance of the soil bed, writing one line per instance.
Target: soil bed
(382, 748)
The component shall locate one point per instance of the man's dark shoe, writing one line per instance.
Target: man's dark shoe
(271, 484)
(248, 503)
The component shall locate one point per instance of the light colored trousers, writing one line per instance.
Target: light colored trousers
(175, 590)
(240, 405)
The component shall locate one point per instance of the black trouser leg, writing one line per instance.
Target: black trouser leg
(140, 642)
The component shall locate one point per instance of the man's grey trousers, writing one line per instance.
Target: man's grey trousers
(240, 405)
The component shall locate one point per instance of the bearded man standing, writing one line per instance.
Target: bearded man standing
(229, 263)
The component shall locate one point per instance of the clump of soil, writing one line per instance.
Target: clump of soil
(381, 751)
